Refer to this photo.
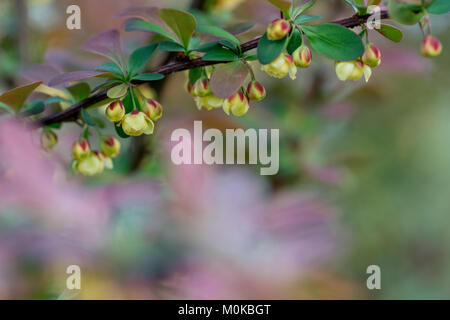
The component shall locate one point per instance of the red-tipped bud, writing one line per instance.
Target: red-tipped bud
(278, 29)
(153, 109)
(431, 47)
(115, 111)
(81, 149)
(190, 88)
(238, 104)
(256, 91)
(202, 88)
(372, 56)
(49, 139)
(110, 146)
(302, 57)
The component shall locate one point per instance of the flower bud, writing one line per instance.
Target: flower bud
(190, 88)
(137, 123)
(91, 165)
(202, 88)
(153, 109)
(110, 146)
(281, 67)
(372, 56)
(349, 70)
(238, 104)
(256, 91)
(49, 139)
(278, 29)
(115, 111)
(431, 47)
(302, 57)
(81, 149)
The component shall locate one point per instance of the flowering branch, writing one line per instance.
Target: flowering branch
(73, 112)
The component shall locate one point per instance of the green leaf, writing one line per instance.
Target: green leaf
(219, 33)
(229, 45)
(182, 24)
(252, 57)
(439, 7)
(87, 118)
(139, 58)
(56, 100)
(228, 78)
(142, 25)
(80, 91)
(6, 108)
(171, 46)
(306, 18)
(220, 54)
(269, 50)
(128, 102)
(390, 32)
(118, 92)
(106, 84)
(16, 98)
(305, 7)
(33, 108)
(57, 125)
(149, 77)
(334, 41)
(194, 75)
(295, 41)
(110, 67)
(281, 4)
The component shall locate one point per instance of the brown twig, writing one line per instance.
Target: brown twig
(172, 67)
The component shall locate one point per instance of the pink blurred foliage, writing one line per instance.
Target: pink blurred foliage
(247, 241)
(404, 59)
(235, 237)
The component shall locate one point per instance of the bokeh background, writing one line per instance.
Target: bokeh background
(364, 176)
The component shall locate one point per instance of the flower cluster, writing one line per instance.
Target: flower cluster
(137, 122)
(89, 162)
(238, 104)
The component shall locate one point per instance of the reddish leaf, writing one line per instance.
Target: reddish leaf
(41, 72)
(106, 44)
(73, 76)
(228, 78)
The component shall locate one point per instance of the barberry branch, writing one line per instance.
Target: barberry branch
(73, 112)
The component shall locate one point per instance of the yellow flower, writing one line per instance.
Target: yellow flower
(349, 70)
(281, 67)
(137, 123)
(238, 104)
(209, 102)
(90, 166)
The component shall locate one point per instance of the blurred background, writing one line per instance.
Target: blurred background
(363, 180)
